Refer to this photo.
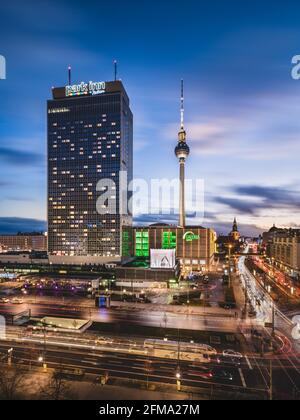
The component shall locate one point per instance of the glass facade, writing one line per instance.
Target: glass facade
(142, 244)
(90, 138)
(169, 240)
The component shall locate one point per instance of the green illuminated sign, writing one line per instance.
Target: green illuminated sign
(190, 237)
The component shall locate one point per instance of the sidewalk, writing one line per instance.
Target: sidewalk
(238, 293)
(88, 304)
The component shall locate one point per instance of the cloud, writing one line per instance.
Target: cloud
(13, 225)
(258, 198)
(4, 184)
(223, 228)
(241, 206)
(20, 157)
(271, 194)
(172, 219)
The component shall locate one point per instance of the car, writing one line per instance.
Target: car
(17, 301)
(4, 300)
(252, 314)
(232, 353)
(228, 360)
(222, 375)
(202, 373)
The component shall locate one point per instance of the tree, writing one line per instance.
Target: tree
(56, 389)
(11, 382)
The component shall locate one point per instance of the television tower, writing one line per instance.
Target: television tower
(182, 151)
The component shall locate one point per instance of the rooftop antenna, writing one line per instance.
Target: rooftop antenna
(70, 75)
(116, 69)
(182, 105)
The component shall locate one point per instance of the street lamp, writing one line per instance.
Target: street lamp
(9, 356)
(124, 293)
(178, 379)
(229, 260)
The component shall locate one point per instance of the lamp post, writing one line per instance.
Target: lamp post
(178, 381)
(273, 319)
(229, 270)
(271, 375)
(44, 356)
(9, 356)
(178, 373)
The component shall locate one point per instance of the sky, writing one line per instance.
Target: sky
(242, 106)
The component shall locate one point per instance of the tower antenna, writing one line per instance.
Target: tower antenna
(116, 69)
(182, 105)
(70, 75)
(182, 152)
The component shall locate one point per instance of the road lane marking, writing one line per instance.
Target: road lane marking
(248, 363)
(242, 378)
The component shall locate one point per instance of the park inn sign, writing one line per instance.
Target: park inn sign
(190, 237)
(91, 88)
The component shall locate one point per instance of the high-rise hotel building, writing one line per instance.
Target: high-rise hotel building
(90, 138)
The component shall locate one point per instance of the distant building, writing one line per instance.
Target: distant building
(270, 234)
(23, 242)
(285, 251)
(235, 234)
(230, 241)
(268, 237)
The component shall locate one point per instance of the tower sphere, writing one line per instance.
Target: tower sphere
(182, 150)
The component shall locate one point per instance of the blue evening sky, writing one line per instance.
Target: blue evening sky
(242, 106)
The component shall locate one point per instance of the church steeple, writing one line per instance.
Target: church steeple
(235, 234)
(235, 226)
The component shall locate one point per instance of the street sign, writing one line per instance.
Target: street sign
(268, 325)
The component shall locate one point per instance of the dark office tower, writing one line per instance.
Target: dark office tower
(90, 139)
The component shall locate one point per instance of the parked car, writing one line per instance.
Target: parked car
(4, 300)
(17, 301)
(232, 353)
(222, 375)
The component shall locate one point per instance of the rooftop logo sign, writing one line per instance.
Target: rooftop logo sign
(2, 68)
(190, 237)
(91, 88)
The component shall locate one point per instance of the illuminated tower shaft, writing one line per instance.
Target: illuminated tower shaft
(182, 151)
(182, 194)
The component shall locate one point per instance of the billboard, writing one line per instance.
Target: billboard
(95, 284)
(163, 258)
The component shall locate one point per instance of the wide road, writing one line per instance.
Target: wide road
(190, 321)
(246, 378)
(287, 364)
